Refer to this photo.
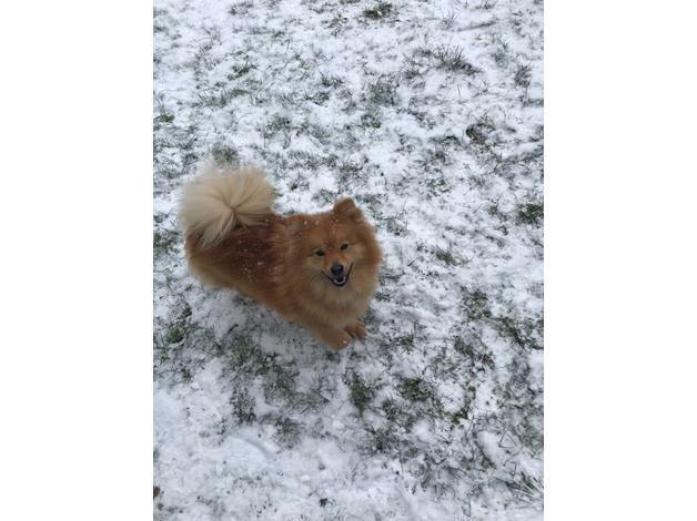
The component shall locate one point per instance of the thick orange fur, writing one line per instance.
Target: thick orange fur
(276, 260)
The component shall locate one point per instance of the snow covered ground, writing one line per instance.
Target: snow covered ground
(430, 114)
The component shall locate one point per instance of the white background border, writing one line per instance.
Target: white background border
(620, 260)
(76, 292)
(76, 210)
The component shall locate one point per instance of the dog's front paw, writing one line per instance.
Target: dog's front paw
(336, 338)
(356, 329)
(339, 341)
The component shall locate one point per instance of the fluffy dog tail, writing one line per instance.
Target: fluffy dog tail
(221, 198)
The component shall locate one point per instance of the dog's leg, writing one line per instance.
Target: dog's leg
(336, 338)
(356, 329)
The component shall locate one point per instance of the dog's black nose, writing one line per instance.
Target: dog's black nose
(337, 269)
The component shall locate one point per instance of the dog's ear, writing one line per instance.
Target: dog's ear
(347, 209)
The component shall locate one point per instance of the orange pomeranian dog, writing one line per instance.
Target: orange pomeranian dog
(319, 270)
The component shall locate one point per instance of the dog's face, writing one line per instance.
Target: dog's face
(338, 250)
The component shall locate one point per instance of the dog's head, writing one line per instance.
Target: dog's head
(337, 249)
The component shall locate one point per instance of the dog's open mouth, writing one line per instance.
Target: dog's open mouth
(341, 280)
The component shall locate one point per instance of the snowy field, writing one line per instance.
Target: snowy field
(429, 114)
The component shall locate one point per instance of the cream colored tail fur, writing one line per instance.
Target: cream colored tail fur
(220, 198)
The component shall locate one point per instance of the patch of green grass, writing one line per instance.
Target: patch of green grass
(522, 76)
(299, 183)
(287, 431)
(383, 91)
(397, 414)
(502, 55)
(325, 196)
(447, 21)
(164, 117)
(224, 154)
(247, 360)
(447, 140)
(278, 123)
(218, 98)
(395, 225)
(175, 333)
(432, 161)
(484, 361)
(530, 213)
(445, 365)
(415, 390)
(477, 356)
(337, 23)
(244, 355)
(438, 185)
(185, 374)
(378, 11)
(241, 8)
(447, 257)
(476, 304)
(239, 70)
(486, 4)
(279, 381)
(391, 409)
(318, 132)
(318, 97)
(383, 296)
(349, 171)
(308, 161)
(243, 406)
(327, 81)
(382, 440)
(164, 240)
(494, 210)
(236, 92)
(412, 70)
(178, 328)
(453, 59)
(371, 120)
(479, 132)
(360, 392)
(406, 342)
(463, 347)
(525, 333)
(420, 401)
(529, 485)
(461, 414)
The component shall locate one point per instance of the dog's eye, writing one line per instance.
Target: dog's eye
(319, 253)
(345, 246)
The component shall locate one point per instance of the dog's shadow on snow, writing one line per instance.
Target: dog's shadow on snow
(232, 317)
